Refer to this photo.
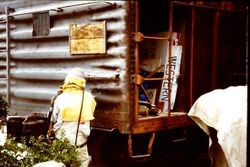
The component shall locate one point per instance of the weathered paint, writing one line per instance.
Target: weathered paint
(40, 63)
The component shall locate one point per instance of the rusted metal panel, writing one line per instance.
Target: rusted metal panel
(41, 62)
(41, 23)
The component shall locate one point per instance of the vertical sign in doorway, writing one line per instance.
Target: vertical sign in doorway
(174, 72)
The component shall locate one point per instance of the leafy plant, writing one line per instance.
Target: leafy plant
(31, 151)
(3, 108)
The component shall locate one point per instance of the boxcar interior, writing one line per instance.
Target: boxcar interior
(213, 41)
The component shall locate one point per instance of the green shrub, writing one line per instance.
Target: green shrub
(3, 108)
(35, 150)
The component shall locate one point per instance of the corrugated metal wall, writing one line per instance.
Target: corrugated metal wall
(38, 64)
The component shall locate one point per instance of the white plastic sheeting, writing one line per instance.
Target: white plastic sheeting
(225, 110)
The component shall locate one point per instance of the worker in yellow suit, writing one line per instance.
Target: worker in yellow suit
(66, 118)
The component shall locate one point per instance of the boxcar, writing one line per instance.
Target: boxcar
(146, 62)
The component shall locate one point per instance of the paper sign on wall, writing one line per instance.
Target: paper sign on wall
(87, 39)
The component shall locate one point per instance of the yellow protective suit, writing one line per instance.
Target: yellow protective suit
(72, 96)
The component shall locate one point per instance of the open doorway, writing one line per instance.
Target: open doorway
(159, 71)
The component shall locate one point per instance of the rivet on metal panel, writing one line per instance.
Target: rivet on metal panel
(11, 9)
(58, 10)
(11, 17)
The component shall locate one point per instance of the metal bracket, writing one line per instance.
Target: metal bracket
(137, 79)
(149, 149)
(138, 37)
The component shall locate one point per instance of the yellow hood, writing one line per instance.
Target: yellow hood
(72, 96)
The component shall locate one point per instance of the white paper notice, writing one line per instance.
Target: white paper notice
(174, 73)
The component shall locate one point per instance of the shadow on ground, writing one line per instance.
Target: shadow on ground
(110, 150)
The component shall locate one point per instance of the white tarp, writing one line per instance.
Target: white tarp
(3, 135)
(51, 163)
(225, 110)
